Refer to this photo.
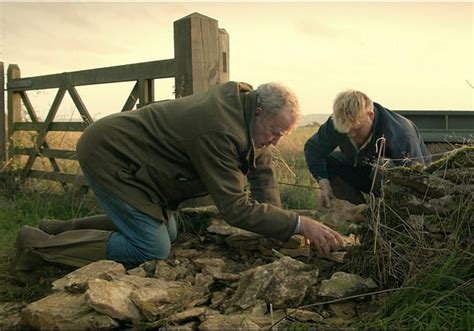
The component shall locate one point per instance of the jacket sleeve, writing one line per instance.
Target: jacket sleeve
(263, 181)
(407, 146)
(318, 147)
(216, 158)
(417, 149)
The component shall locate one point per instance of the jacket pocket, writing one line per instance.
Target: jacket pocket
(189, 188)
(141, 179)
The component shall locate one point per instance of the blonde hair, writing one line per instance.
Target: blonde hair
(348, 109)
(276, 97)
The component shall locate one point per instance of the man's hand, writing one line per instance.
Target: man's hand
(325, 194)
(323, 237)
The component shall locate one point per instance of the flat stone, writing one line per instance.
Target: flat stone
(193, 313)
(138, 271)
(282, 283)
(209, 262)
(296, 241)
(337, 257)
(187, 253)
(220, 227)
(245, 241)
(303, 315)
(112, 299)
(166, 298)
(203, 280)
(228, 322)
(343, 284)
(218, 274)
(296, 252)
(165, 271)
(63, 311)
(76, 281)
(342, 212)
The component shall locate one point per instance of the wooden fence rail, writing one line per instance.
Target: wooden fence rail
(201, 60)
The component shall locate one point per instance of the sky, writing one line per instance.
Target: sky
(405, 55)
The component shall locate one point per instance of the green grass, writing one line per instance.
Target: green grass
(28, 207)
(298, 189)
(440, 300)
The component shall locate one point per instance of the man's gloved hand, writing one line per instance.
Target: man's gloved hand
(325, 193)
(321, 236)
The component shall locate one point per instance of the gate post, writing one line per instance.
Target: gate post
(3, 133)
(198, 48)
(14, 108)
(224, 55)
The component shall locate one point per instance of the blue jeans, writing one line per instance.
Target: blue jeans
(140, 237)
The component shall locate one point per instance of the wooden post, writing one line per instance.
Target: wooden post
(14, 107)
(197, 54)
(224, 56)
(146, 88)
(3, 132)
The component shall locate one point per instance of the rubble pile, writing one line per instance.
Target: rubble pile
(220, 278)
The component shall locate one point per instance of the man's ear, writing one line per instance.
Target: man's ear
(258, 111)
(371, 115)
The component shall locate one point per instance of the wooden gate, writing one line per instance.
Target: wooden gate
(201, 60)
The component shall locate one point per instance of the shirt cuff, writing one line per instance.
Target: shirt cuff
(297, 228)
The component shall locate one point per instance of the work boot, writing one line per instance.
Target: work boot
(96, 222)
(26, 259)
(75, 248)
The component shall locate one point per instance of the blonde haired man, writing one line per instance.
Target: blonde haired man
(356, 128)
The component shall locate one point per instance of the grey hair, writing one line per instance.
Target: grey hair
(276, 97)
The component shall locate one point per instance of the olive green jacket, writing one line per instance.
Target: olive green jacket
(157, 156)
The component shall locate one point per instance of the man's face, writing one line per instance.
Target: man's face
(270, 128)
(361, 130)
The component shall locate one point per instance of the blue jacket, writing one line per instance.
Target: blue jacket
(403, 143)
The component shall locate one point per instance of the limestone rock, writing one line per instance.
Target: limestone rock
(190, 326)
(337, 256)
(248, 241)
(218, 274)
(341, 212)
(217, 298)
(187, 253)
(343, 285)
(193, 313)
(76, 281)
(164, 271)
(211, 262)
(296, 252)
(305, 316)
(203, 280)
(220, 227)
(296, 241)
(228, 322)
(63, 311)
(138, 271)
(112, 299)
(282, 283)
(165, 298)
